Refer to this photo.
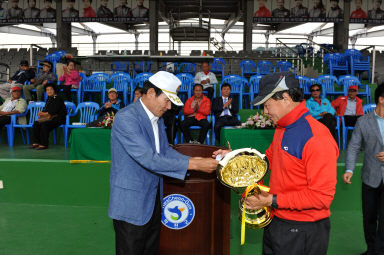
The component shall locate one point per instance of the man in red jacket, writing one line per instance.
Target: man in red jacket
(196, 110)
(303, 162)
(350, 106)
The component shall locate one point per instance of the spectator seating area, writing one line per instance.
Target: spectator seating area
(244, 85)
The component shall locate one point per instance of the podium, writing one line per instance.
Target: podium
(209, 231)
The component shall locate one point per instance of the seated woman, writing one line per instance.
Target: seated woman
(137, 93)
(113, 105)
(321, 109)
(71, 79)
(52, 116)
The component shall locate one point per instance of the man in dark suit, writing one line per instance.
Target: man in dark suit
(225, 110)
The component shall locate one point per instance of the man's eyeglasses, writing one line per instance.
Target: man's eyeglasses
(352, 90)
(314, 90)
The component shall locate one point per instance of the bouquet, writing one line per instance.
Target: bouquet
(260, 120)
(107, 122)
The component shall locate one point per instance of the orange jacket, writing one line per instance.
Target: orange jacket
(340, 104)
(203, 111)
(303, 162)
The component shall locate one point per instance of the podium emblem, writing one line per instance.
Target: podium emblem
(178, 211)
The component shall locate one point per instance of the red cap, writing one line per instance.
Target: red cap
(16, 88)
(354, 87)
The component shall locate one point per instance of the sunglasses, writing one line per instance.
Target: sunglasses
(352, 90)
(314, 90)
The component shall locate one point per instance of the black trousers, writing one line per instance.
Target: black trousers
(350, 121)
(284, 237)
(41, 130)
(224, 121)
(373, 218)
(4, 120)
(192, 121)
(67, 92)
(139, 240)
(210, 91)
(330, 122)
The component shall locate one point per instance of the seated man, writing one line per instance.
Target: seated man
(225, 110)
(196, 110)
(22, 75)
(321, 109)
(112, 106)
(13, 105)
(38, 83)
(206, 78)
(350, 106)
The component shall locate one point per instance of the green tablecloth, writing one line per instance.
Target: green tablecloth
(259, 139)
(90, 144)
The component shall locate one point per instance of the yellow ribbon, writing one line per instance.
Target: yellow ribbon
(247, 190)
(89, 161)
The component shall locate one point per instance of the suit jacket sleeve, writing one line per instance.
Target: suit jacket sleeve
(217, 106)
(354, 145)
(135, 144)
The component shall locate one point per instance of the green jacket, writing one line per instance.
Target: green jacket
(21, 106)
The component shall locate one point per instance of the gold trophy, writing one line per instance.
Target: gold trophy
(242, 170)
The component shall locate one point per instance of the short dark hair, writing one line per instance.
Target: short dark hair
(138, 89)
(52, 85)
(296, 94)
(148, 85)
(198, 85)
(318, 85)
(226, 85)
(379, 92)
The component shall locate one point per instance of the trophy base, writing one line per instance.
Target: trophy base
(255, 219)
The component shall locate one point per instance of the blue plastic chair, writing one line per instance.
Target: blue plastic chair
(187, 83)
(359, 62)
(207, 140)
(369, 108)
(254, 88)
(265, 67)
(123, 84)
(142, 67)
(96, 83)
(328, 84)
(339, 120)
(32, 110)
(217, 66)
(238, 86)
(187, 68)
(248, 68)
(337, 62)
(285, 66)
(304, 84)
(88, 112)
(139, 80)
(349, 80)
(120, 66)
(167, 66)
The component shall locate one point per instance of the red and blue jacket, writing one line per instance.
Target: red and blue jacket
(303, 162)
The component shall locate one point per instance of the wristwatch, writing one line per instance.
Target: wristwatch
(274, 202)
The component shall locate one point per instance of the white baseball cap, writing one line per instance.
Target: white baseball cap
(169, 84)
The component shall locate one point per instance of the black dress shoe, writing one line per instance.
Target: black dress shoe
(33, 146)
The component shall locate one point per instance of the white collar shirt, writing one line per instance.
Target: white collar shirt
(155, 125)
(224, 112)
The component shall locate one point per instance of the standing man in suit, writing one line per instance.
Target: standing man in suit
(369, 132)
(141, 156)
(225, 110)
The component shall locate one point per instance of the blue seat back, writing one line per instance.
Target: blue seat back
(121, 81)
(33, 109)
(283, 66)
(236, 81)
(96, 82)
(328, 83)
(248, 67)
(71, 107)
(348, 80)
(265, 67)
(88, 111)
(140, 78)
(369, 108)
(217, 65)
(304, 84)
(120, 66)
(187, 68)
(143, 66)
(254, 83)
(186, 83)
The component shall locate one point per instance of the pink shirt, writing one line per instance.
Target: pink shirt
(71, 79)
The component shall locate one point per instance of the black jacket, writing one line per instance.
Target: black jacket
(23, 76)
(217, 106)
(55, 106)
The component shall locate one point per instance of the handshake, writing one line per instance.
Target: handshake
(207, 165)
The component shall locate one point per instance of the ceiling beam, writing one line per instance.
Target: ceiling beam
(82, 31)
(25, 31)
